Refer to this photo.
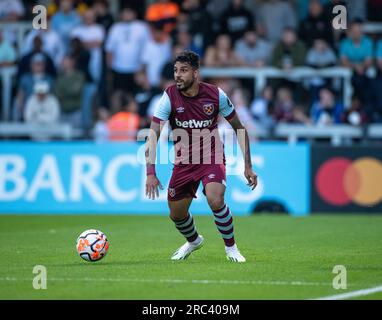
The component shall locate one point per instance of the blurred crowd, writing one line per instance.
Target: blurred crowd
(104, 72)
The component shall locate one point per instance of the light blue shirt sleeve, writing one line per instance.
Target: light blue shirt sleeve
(163, 108)
(368, 49)
(225, 105)
(343, 49)
(378, 52)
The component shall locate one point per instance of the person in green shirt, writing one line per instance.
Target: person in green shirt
(69, 90)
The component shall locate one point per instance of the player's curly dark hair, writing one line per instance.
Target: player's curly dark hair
(189, 57)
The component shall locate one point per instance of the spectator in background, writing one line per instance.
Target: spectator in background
(316, 25)
(200, 24)
(124, 125)
(356, 52)
(240, 101)
(163, 13)
(101, 131)
(65, 20)
(222, 54)
(253, 51)
(81, 58)
(11, 11)
(24, 64)
(286, 111)
(103, 15)
(8, 58)
(273, 17)
(302, 8)
(326, 111)
(262, 107)
(92, 36)
(354, 114)
(290, 51)
(377, 114)
(166, 81)
(236, 20)
(357, 9)
(143, 96)
(182, 23)
(319, 56)
(156, 53)
(51, 44)
(329, 6)
(185, 40)
(8, 53)
(42, 107)
(69, 88)
(124, 47)
(27, 83)
(328, 12)
(216, 7)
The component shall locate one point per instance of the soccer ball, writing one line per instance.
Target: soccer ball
(92, 245)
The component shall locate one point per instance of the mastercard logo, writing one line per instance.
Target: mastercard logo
(341, 181)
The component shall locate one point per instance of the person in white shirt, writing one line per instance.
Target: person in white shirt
(11, 11)
(42, 107)
(124, 47)
(157, 52)
(92, 36)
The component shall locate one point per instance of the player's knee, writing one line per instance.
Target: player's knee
(178, 215)
(215, 202)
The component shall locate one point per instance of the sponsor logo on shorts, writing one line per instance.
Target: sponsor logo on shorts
(212, 176)
(208, 109)
(193, 123)
(171, 192)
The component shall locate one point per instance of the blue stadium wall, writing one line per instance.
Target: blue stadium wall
(109, 178)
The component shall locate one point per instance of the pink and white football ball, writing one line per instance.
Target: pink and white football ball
(92, 245)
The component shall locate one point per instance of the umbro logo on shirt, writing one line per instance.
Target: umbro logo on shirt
(180, 109)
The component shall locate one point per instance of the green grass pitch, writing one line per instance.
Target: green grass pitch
(287, 258)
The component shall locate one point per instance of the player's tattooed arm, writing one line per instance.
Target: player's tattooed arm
(152, 182)
(243, 139)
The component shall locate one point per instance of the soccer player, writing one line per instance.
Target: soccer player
(192, 108)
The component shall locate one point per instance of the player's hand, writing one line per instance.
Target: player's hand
(251, 178)
(152, 184)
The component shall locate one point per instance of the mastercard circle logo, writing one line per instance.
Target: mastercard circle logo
(340, 181)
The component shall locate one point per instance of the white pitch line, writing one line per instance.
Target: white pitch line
(198, 281)
(353, 294)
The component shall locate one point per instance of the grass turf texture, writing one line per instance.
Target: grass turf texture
(280, 250)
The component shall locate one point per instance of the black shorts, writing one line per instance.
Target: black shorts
(124, 82)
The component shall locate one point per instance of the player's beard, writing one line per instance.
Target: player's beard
(187, 85)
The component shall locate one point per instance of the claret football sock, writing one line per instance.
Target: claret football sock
(224, 223)
(187, 228)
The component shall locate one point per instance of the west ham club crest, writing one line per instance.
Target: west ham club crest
(171, 192)
(208, 109)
